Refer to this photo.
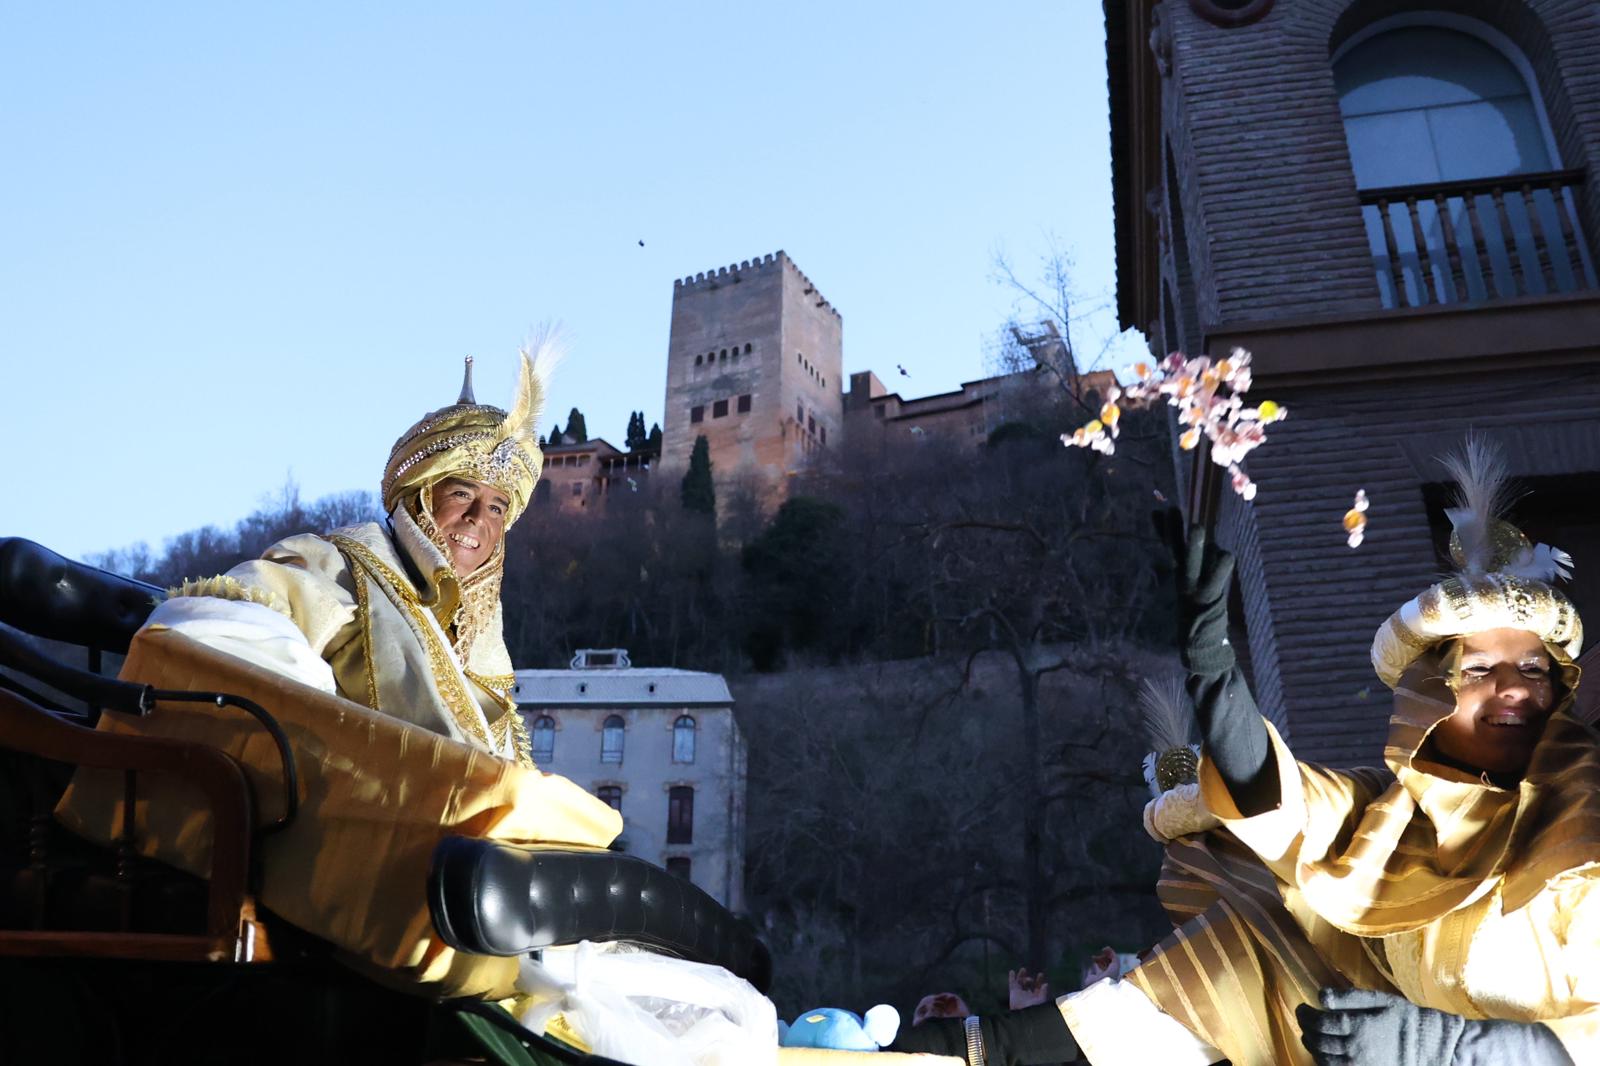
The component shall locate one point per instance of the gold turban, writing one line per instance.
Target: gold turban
(1503, 580)
(476, 441)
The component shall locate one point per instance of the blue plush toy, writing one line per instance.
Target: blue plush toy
(842, 1030)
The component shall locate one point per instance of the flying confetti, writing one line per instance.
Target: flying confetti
(1355, 519)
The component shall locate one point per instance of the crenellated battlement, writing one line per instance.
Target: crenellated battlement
(733, 272)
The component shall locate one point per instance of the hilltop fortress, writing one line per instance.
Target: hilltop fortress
(755, 364)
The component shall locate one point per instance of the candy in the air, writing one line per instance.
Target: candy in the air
(1209, 397)
(1355, 519)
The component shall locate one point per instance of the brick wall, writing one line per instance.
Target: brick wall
(1261, 195)
(1313, 603)
(1272, 218)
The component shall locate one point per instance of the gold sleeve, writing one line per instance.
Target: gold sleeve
(1577, 927)
(309, 576)
(1313, 807)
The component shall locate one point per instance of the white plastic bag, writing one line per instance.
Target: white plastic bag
(652, 1010)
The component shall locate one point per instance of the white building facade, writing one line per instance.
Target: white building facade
(661, 746)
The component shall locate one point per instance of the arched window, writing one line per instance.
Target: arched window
(683, 739)
(611, 739)
(680, 815)
(544, 739)
(1431, 103)
(1462, 191)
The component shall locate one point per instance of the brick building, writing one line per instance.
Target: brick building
(1392, 204)
(755, 364)
(967, 415)
(579, 477)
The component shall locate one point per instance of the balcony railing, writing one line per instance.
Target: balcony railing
(1485, 239)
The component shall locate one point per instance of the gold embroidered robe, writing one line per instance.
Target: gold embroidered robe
(359, 607)
(377, 794)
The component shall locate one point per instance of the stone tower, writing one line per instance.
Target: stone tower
(755, 364)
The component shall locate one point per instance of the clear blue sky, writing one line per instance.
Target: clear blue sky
(243, 243)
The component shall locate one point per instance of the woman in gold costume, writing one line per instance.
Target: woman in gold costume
(1445, 910)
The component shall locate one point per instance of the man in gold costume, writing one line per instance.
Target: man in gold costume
(403, 618)
(378, 648)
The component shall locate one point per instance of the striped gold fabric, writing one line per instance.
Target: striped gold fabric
(1239, 962)
(1423, 880)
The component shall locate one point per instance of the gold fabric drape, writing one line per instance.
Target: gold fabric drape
(376, 795)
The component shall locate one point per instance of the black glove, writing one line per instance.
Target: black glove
(1362, 1027)
(1205, 574)
(1019, 1038)
(1232, 734)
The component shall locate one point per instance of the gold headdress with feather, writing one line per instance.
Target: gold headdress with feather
(1502, 580)
(477, 441)
(1168, 721)
(1172, 768)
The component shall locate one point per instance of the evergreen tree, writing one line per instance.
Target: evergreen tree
(697, 491)
(794, 607)
(577, 431)
(655, 438)
(555, 437)
(637, 439)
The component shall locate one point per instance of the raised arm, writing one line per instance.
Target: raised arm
(1233, 736)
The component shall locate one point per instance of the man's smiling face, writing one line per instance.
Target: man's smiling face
(472, 518)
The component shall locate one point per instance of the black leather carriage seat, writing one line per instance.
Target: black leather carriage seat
(53, 597)
(489, 898)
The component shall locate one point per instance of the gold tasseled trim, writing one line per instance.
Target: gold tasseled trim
(223, 587)
(511, 734)
(500, 684)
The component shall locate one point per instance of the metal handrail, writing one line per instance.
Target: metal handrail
(1469, 186)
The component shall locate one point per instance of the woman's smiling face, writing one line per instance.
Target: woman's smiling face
(1505, 691)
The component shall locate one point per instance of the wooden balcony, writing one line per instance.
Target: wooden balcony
(1463, 242)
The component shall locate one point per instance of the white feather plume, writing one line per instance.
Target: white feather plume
(1541, 563)
(1167, 720)
(540, 356)
(1165, 714)
(1480, 475)
(1150, 773)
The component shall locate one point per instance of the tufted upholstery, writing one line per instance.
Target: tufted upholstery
(50, 596)
(496, 899)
